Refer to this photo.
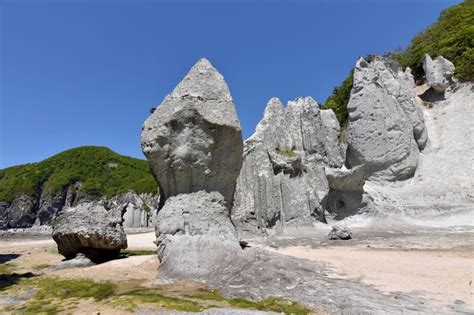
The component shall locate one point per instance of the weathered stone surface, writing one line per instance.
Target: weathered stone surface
(193, 140)
(50, 206)
(438, 72)
(386, 129)
(340, 232)
(91, 229)
(194, 145)
(282, 180)
(193, 233)
(79, 261)
(140, 209)
(346, 191)
(21, 213)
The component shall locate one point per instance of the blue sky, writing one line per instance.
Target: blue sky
(86, 72)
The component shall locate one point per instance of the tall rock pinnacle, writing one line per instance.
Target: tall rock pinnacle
(193, 143)
(193, 140)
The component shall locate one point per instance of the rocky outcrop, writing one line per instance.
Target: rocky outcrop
(28, 211)
(282, 181)
(193, 139)
(438, 72)
(193, 143)
(386, 129)
(140, 209)
(346, 194)
(21, 213)
(91, 228)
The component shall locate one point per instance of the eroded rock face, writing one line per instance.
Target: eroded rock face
(21, 213)
(386, 128)
(346, 194)
(282, 181)
(193, 233)
(193, 142)
(91, 228)
(139, 209)
(438, 72)
(193, 139)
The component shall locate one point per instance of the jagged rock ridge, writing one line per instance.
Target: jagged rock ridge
(282, 181)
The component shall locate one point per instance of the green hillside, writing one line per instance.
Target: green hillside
(452, 36)
(101, 171)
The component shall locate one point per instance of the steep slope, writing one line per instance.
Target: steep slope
(37, 192)
(444, 178)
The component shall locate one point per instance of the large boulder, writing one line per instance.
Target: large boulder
(91, 228)
(438, 72)
(193, 143)
(386, 129)
(193, 140)
(282, 182)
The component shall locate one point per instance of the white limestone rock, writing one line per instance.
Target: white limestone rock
(193, 140)
(282, 181)
(193, 143)
(386, 129)
(438, 72)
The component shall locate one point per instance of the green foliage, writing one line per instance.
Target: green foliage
(99, 169)
(339, 99)
(452, 36)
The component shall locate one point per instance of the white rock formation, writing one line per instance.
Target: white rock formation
(282, 182)
(193, 143)
(444, 178)
(438, 72)
(193, 139)
(386, 130)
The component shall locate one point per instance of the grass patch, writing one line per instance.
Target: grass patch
(273, 304)
(5, 269)
(138, 252)
(287, 152)
(55, 295)
(72, 288)
(40, 266)
(153, 296)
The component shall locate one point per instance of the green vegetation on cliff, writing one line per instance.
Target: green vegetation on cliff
(339, 99)
(101, 171)
(452, 36)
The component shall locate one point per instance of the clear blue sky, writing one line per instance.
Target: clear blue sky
(86, 72)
